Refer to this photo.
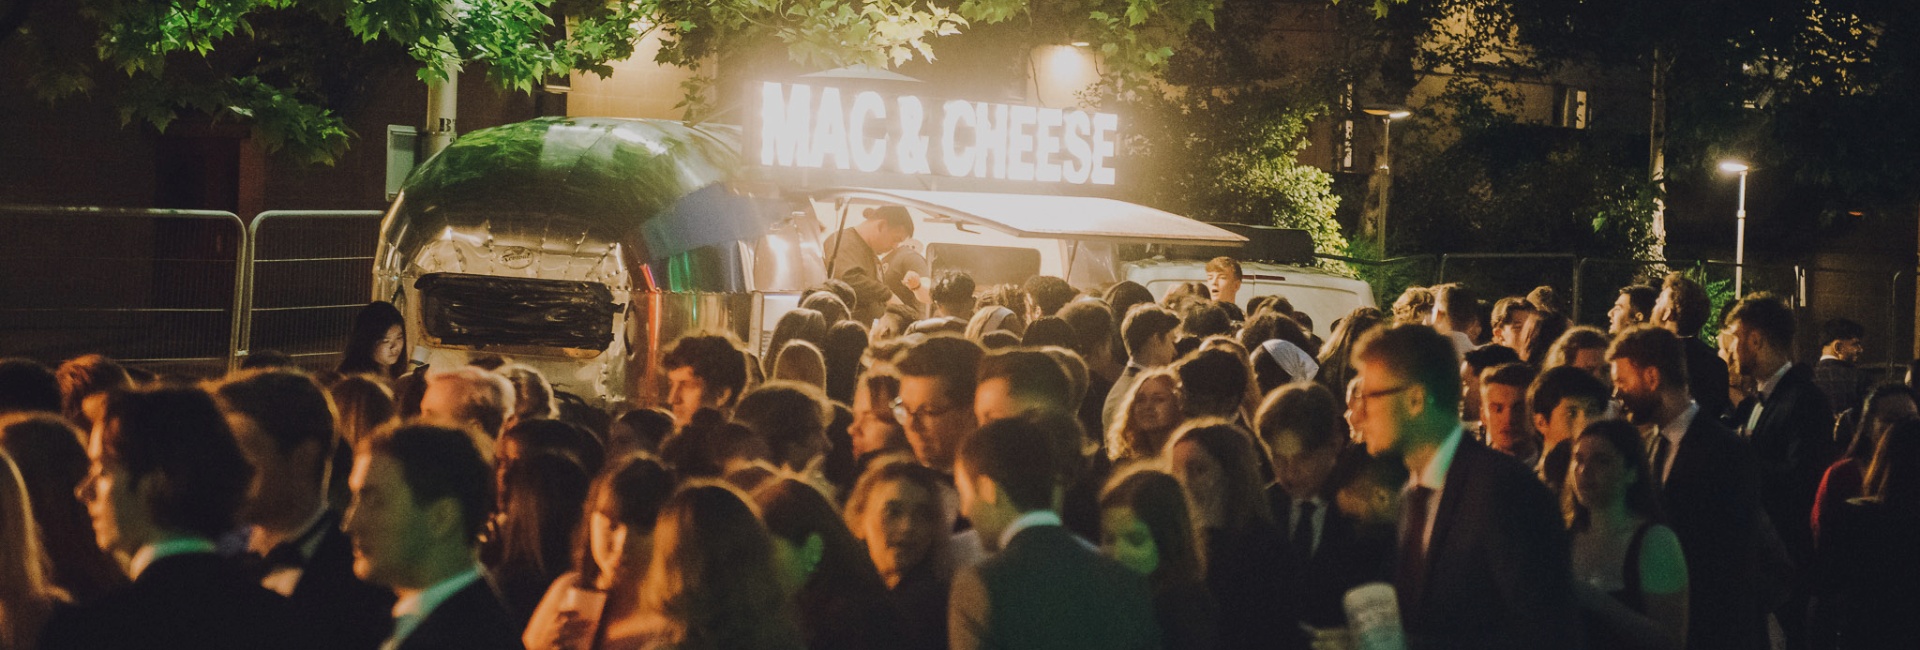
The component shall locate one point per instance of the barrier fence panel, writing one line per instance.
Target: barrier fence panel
(155, 289)
(1880, 300)
(1493, 276)
(308, 273)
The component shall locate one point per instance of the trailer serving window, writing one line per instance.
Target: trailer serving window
(474, 311)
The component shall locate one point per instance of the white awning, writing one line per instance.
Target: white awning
(1052, 217)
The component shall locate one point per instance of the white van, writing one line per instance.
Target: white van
(1008, 238)
(1324, 296)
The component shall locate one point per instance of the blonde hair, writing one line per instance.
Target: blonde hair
(1124, 441)
(800, 361)
(27, 592)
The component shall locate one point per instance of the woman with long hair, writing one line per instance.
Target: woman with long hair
(1215, 461)
(377, 344)
(1147, 417)
(1630, 576)
(845, 345)
(1335, 363)
(712, 584)
(1884, 407)
(1868, 572)
(610, 557)
(364, 405)
(51, 459)
(903, 511)
(27, 592)
(1144, 525)
(800, 324)
(841, 601)
(534, 530)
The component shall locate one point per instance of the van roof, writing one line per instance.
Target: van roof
(1052, 217)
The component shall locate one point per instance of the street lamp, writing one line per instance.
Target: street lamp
(1383, 172)
(1740, 216)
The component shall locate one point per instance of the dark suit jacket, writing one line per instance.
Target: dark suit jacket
(855, 262)
(1348, 556)
(1842, 383)
(1793, 442)
(1047, 589)
(197, 600)
(1706, 378)
(474, 618)
(1499, 568)
(1712, 500)
(336, 608)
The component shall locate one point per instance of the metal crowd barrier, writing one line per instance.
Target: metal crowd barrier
(151, 288)
(315, 269)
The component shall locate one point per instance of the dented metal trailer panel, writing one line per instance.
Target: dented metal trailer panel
(580, 246)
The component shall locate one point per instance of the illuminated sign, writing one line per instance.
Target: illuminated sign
(823, 127)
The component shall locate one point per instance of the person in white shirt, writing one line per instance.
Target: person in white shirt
(284, 424)
(420, 499)
(165, 479)
(1483, 557)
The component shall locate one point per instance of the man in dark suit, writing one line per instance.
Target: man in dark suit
(420, 498)
(854, 257)
(1836, 374)
(1044, 588)
(166, 479)
(1683, 309)
(1710, 487)
(1789, 425)
(1329, 551)
(1483, 559)
(284, 425)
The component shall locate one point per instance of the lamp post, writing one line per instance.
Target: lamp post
(1740, 216)
(1383, 172)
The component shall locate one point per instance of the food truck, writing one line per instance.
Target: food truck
(584, 246)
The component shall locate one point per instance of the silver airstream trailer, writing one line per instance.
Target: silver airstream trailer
(579, 246)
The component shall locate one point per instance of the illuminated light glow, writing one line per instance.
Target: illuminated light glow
(912, 154)
(1020, 122)
(867, 131)
(868, 153)
(990, 140)
(1046, 143)
(1079, 163)
(829, 131)
(955, 154)
(1105, 127)
(783, 119)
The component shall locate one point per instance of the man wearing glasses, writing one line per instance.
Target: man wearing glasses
(1483, 561)
(936, 397)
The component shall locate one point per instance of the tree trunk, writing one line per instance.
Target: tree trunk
(1657, 153)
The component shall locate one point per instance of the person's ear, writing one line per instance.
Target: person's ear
(985, 491)
(1651, 378)
(444, 518)
(812, 551)
(1418, 400)
(1540, 422)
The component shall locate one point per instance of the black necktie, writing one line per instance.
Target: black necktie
(1657, 453)
(1411, 575)
(1303, 532)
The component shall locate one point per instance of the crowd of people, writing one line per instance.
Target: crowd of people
(1029, 466)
